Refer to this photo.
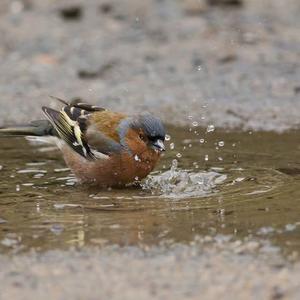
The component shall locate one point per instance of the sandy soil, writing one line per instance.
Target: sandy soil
(230, 65)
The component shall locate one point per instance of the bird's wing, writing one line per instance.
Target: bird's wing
(73, 122)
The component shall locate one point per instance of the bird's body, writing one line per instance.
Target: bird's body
(101, 147)
(116, 170)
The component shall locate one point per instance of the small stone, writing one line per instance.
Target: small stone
(225, 2)
(71, 13)
(297, 89)
(227, 58)
(46, 59)
(195, 7)
(106, 8)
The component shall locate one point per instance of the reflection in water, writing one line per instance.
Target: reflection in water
(222, 183)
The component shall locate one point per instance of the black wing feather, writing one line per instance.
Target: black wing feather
(71, 124)
(66, 132)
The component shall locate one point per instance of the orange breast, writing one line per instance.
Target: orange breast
(115, 171)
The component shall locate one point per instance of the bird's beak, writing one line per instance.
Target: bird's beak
(159, 145)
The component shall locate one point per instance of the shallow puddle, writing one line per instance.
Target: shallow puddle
(209, 182)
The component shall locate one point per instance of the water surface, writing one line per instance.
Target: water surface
(209, 183)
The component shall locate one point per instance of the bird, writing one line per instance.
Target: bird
(100, 146)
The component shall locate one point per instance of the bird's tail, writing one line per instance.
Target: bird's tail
(35, 128)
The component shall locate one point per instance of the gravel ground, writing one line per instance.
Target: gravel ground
(233, 66)
(222, 271)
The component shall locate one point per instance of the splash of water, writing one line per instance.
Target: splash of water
(178, 183)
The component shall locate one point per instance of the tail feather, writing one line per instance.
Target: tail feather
(35, 128)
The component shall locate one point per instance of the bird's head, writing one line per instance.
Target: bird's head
(143, 131)
(151, 131)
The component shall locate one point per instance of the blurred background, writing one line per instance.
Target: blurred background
(233, 63)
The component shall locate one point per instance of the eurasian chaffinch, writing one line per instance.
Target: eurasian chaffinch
(100, 146)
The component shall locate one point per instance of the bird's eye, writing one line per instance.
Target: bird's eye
(141, 137)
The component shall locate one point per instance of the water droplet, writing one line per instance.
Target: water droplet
(201, 141)
(210, 128)
(220, 158)
(178, 155)
(195, 164)
(17, 188)
(190, 117)
(206, 157)
(195, 124)
(136, 158)
(222, 211)
(233, 145)
(38, 209)
(199, 68)
(174, 164)
(172, 146)
(167, 137)
(221, 144)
